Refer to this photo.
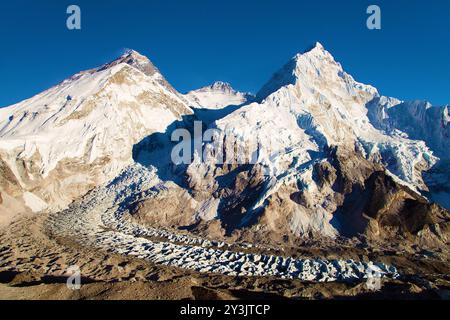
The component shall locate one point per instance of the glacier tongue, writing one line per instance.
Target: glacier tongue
(97, 221)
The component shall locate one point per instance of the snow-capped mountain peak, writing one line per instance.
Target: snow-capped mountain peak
(143, 64)
(310, 71)
(317, 49)
(135, 54)
(90, 120)
(219, 86)
(137, 60)
(318, 45)
(217, 95)
(311, 102)
(131, 58)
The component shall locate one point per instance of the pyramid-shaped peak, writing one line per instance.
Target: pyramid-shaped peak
(133, 58)
(313, 67)
(136, 60)
(317, 50)
(130, 53)
(316, 46)
(140, 62)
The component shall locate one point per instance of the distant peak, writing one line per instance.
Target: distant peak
(218, 86)
(221, 83)
(222, 86)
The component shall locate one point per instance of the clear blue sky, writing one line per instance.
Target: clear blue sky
(242, 42)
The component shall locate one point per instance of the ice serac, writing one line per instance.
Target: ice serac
(419, 120)
(216, 96)
(59, 144)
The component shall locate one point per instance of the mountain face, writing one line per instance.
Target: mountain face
(316, 147)
(217, 95)
(315, 154)
(79, 134)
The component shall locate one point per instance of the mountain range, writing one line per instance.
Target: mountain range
(333, 158)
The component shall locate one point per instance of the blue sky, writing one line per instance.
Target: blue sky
(242, 42)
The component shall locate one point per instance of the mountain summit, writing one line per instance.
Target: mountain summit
(143, 64)
(136, 60)
(217, 95)
(310, 70)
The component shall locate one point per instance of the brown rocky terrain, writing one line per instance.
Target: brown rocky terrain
(34, 266)
(363, 199)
